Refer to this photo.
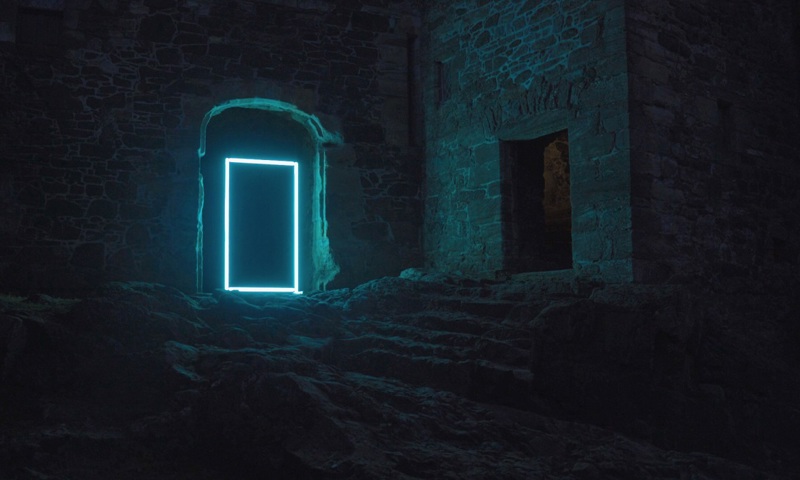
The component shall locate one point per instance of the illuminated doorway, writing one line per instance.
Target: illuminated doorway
(268, 131)
(261, 225)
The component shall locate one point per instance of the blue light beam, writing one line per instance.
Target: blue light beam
(295, 288)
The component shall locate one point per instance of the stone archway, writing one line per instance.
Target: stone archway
(319, 265)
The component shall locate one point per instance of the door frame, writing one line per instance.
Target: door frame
(295, 288)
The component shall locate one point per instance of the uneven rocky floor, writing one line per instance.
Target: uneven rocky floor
(421, 376)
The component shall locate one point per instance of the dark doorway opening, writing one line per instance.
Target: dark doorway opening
(536, 206)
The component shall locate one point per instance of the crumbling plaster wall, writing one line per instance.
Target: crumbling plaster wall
(521, 70)
(99, 133)
(714, 138)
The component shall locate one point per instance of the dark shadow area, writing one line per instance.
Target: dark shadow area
(536, 207)
(39, 27)
(409, 377)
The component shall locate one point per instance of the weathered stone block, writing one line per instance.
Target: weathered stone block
(89, 255)
(102, 208)
(63, 208)
(158, 28)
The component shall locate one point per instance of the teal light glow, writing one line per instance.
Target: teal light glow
(266, 249)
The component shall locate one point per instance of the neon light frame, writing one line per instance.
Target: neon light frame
(227, 285)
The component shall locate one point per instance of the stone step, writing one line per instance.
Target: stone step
(459, 347)
(483, 308)
(475, 379)
(456, 322)
(499, 340)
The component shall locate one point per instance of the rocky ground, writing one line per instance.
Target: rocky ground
(421, 376)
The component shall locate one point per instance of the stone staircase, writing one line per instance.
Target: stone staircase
(471, 339)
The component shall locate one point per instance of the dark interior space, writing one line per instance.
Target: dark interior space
(537, 214)
(545, 239)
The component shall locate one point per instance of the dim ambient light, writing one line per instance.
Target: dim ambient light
(293, 288)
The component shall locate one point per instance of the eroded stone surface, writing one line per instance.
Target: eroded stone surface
(418, 376)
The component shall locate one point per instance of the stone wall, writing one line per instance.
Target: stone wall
(681, 118)
(100, 122)
(714, 138)
(503, 71)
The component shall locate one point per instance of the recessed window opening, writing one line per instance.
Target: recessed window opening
(536, 206)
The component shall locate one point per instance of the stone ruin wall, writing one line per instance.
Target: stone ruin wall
(499, 71)
(702, 184)
(682, 120)
(714, 138)
(100, 125)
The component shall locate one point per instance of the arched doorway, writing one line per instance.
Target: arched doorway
(272, 134)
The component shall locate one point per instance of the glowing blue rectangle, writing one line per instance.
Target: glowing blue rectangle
(293, 286)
